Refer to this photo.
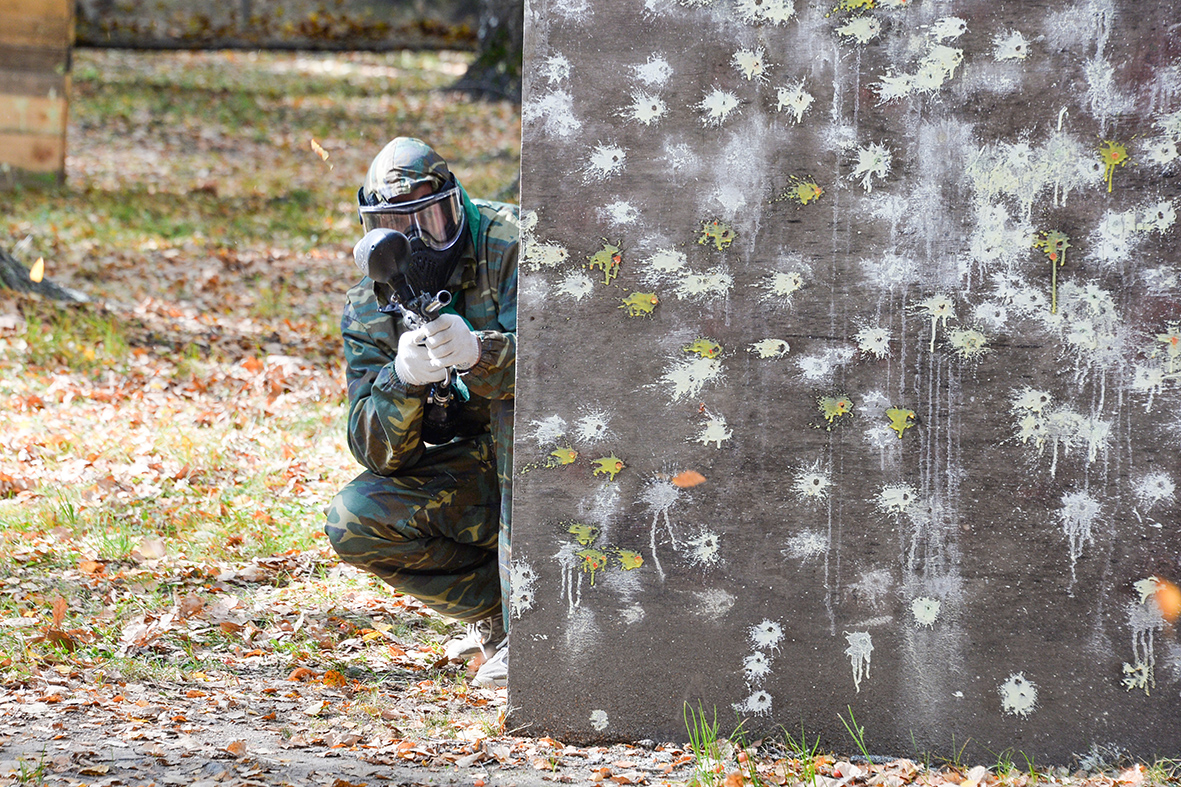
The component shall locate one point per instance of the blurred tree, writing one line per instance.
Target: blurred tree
(496, 71)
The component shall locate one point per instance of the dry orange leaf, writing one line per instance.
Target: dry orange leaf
(688, 478)
(334, 679)
(302, 673)
(237, 748)
(59, 611)
(195, 693)
(323, 154)
(37, 272)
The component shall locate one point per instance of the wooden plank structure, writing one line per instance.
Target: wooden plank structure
(35, 41)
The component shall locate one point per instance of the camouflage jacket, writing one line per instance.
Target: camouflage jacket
(385, 414)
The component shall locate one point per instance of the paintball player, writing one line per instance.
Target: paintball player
(431, 402)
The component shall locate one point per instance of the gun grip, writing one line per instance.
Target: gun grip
(382, 254)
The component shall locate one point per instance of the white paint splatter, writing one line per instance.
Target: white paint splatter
(805, 545)
(758, 703)
(925, 610)
(873, 587)
(576, 285)
(780, 286)
(712, 285)
(1018, 695)
(812, 482)
(751, 63)
(554, 114)
(522, 584)
(821, 366)
(1078, 514)
(756, 11)
(598, 720)
(654, 73)
(891, 272)
(756, 667)
(934, 71)
(662, 264)
(1144, 619)
(872, 162)
(859, 650)
(540, 254)
(795, 99)
(605, 161)
(861, 29)
(766, 635)
(593, 427)
(685, 378)
(1104, 97)
(717, 105)
(947, 28)
(620, 212)
(770, 348)
(1010, 46)
(968, 343)
(715, 431)
(556, 69)
(1160, 151)
(704, 549)
(1153, 488)
(897, 498)
(873, 340)
(646, 108)
(548, 430)
(713, 604)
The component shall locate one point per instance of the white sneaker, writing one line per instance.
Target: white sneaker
(493, 673)
(476, 637)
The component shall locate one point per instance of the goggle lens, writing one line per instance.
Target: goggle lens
(435, 219)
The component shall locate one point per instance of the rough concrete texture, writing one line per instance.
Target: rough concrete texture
(850, 345)
(276, 24)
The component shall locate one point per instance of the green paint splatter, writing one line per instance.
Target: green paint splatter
(901, 419)
(629, 559)
(1114, 154)
(640, 303)
(834, 408)
(608, 466)
(593, 561)
(846, 6)
(1054, 245)
(608, 259)
(719, 232)
(801, 191)
(704, 348)
(583, 534)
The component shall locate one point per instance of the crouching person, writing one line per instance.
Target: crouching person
(430, 515)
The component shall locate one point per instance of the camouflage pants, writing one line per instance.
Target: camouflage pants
(438, 531)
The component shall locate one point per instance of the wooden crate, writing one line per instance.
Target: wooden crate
(35, 41)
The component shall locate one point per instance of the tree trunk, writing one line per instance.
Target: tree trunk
(15, 276)
(496, 71)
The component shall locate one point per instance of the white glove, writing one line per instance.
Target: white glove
(451, 343)
(413, 361)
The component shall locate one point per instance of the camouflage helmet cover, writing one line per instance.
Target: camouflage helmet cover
(403, 165)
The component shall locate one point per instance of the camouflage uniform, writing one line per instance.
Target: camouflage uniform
(434, 521)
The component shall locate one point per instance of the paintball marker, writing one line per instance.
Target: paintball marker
(383, 255)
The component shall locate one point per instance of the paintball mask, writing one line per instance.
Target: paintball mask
(434, 224)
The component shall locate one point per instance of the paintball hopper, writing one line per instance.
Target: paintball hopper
(382, 255)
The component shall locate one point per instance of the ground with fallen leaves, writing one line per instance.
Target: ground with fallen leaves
(170, 612)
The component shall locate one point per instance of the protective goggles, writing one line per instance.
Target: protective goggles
(437, 218)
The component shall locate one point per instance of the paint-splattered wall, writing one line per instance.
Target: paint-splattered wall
(850, 372)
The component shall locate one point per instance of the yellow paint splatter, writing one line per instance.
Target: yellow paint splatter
(607, 259)
(1054, 244)
(704, 348)
(834, 407)
(593, 561)
(629, 559)
(801, 191)
(609, 466)
(719, 232)
(639, 303)
(1114, 154)
(563, 456)
(583, 534)
(901, 419)
(846, 6)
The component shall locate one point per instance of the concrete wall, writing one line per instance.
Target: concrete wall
(850, 345)
(290, 24)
